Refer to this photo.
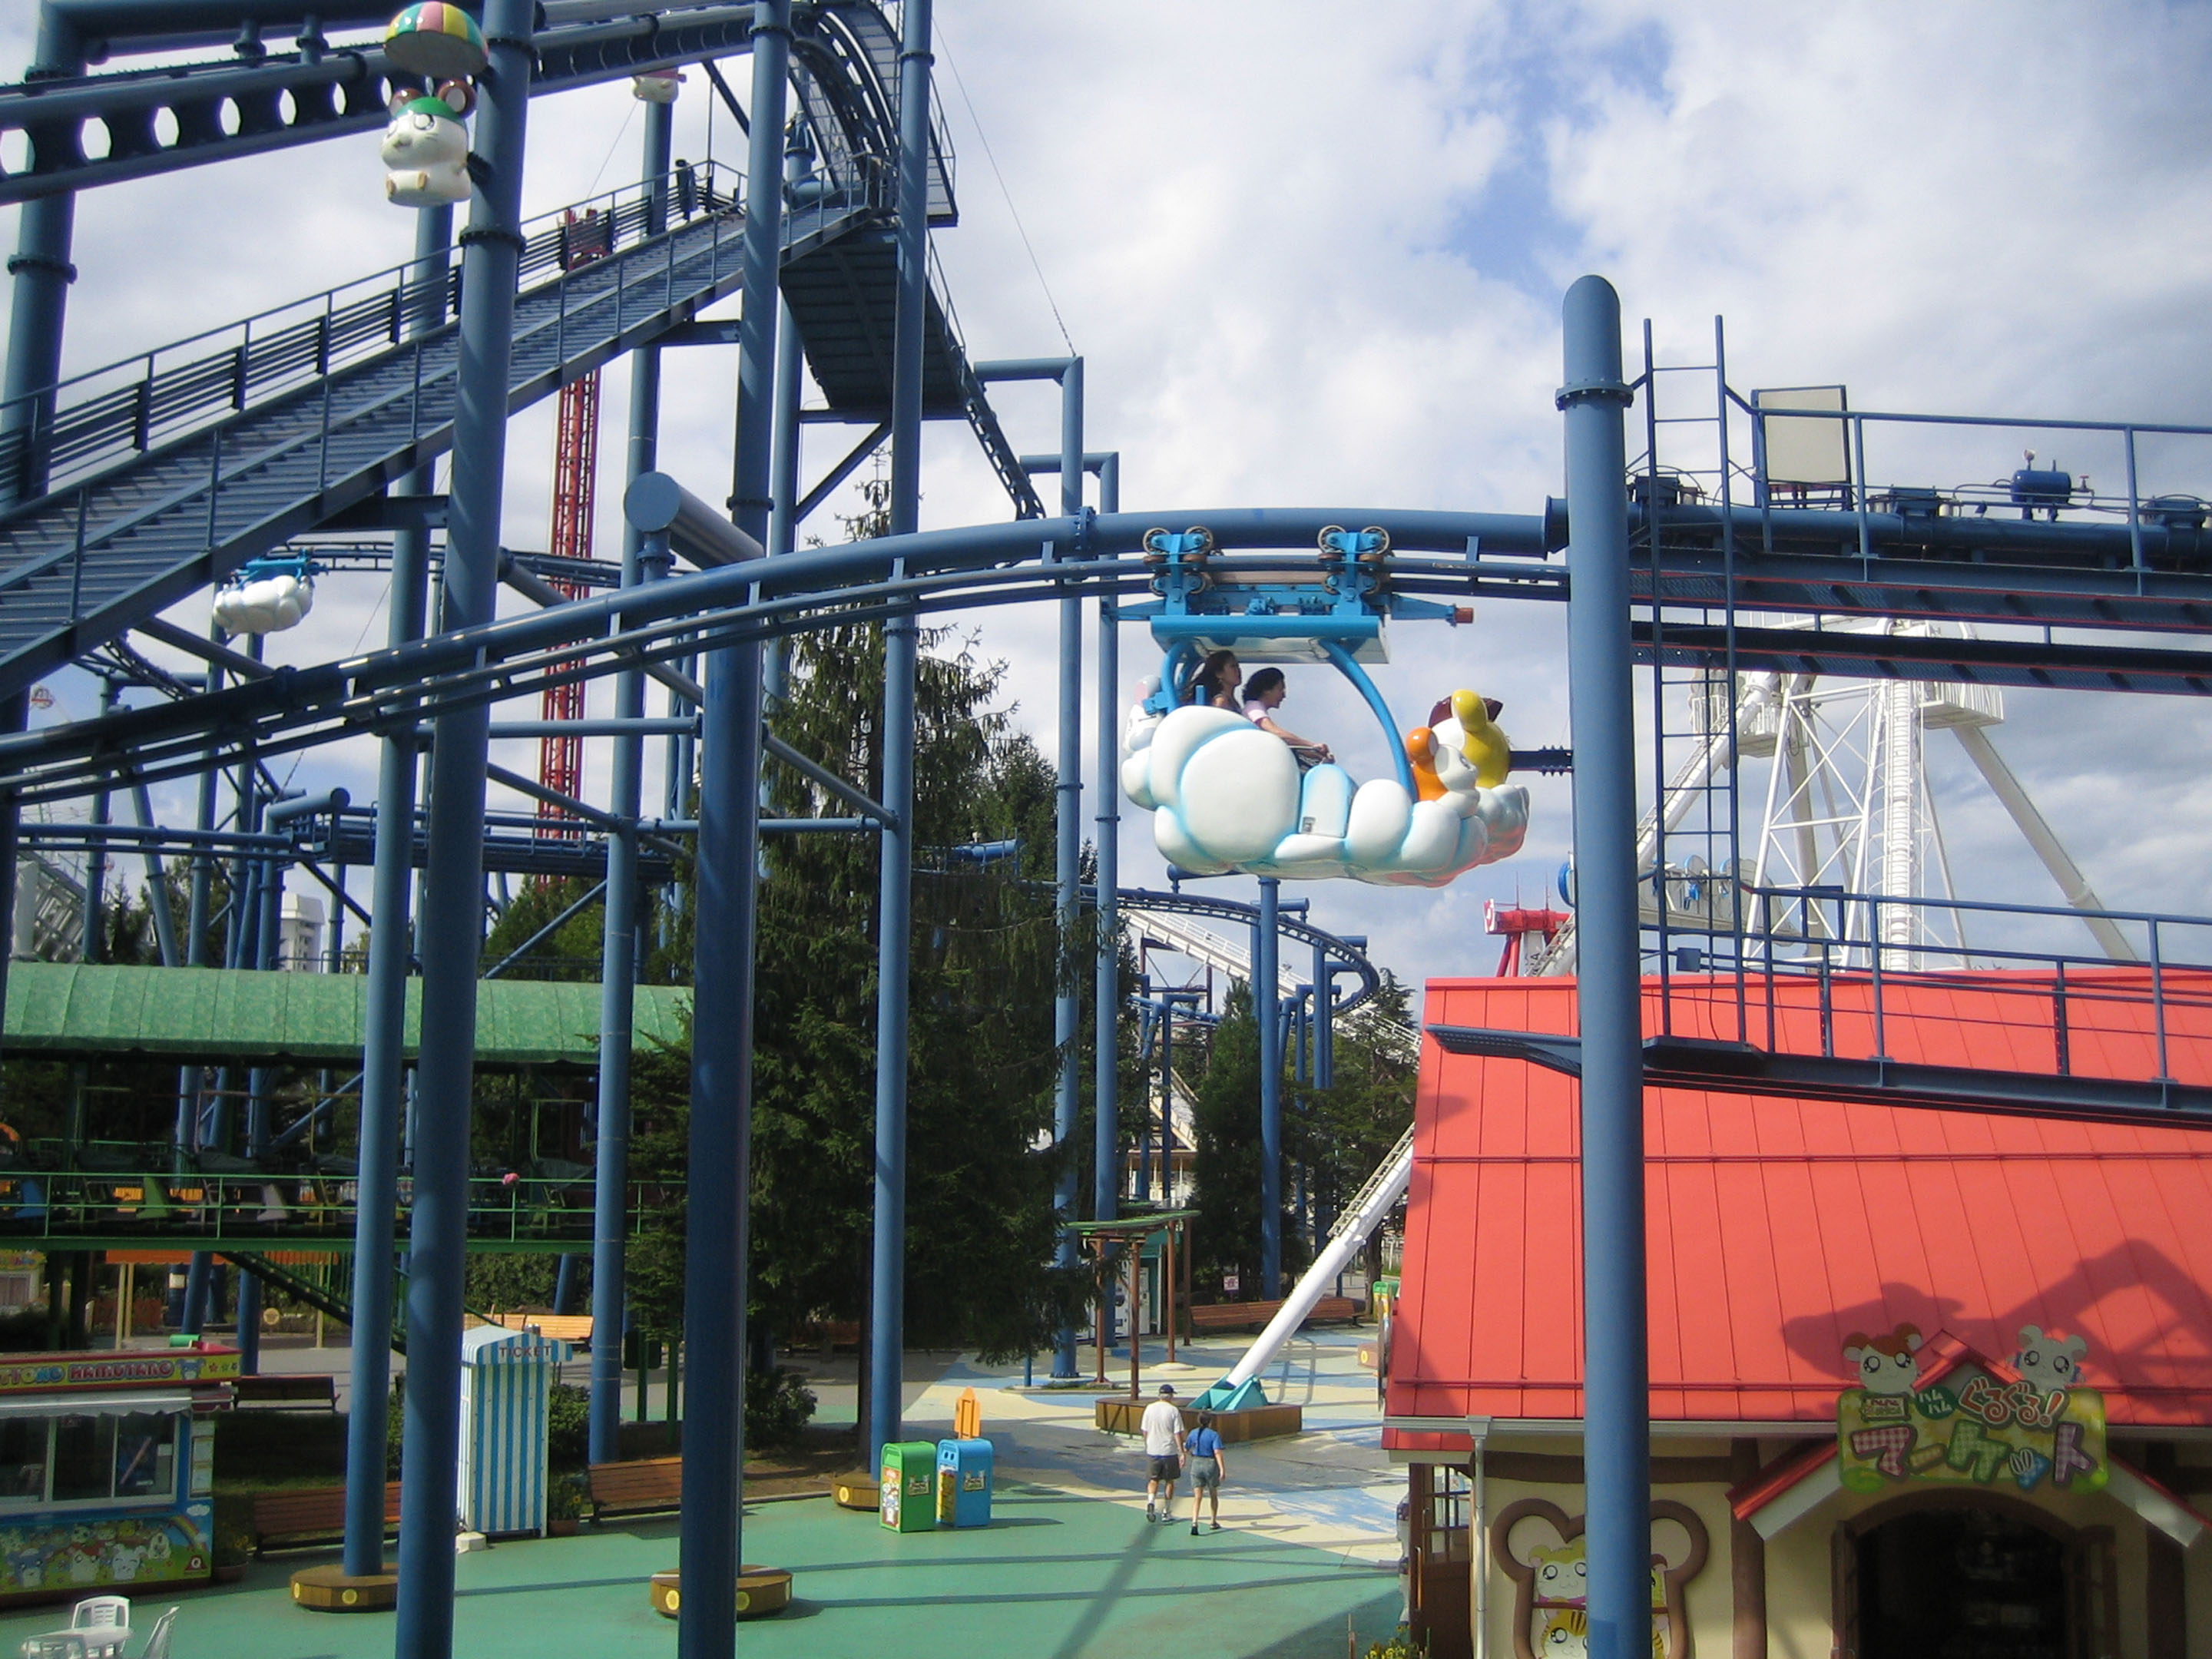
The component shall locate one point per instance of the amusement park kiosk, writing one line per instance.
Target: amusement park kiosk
(1921, 1381)
(108, 1469)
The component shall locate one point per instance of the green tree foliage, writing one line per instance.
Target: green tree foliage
(570, 952)
(1343, 1132)
(980, 1225)
(1226, 1163)
(1339, 1134)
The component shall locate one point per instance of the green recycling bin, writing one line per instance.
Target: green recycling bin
(910, 1485)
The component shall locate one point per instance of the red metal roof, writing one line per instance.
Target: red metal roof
(1778, 1227)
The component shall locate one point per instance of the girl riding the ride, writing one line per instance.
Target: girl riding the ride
(1214, 685)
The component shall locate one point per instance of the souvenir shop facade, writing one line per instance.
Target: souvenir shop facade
(1922, 1383)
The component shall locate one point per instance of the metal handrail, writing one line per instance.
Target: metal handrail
(274, 1210)
(217, 472)
(332, 332)
(2067, 981)
(1862, 492)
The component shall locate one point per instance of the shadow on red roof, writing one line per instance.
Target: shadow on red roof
(1777, 1228)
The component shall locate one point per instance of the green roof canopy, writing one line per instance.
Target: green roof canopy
(219, 1014)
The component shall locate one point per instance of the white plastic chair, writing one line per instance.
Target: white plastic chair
(55, 1644)
(102, 1613)
(104, 1622)
(157, 1644)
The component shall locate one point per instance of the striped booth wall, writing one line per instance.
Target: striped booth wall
(506, 1384)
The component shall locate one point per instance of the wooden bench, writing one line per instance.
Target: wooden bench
(287, 1392)
(1251, 1316)
(310, 1514)
(559, 1327)
(642, 1485)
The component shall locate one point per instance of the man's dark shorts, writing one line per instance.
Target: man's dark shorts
(1169, 1469)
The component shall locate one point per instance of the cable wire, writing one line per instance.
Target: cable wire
(1020, 229)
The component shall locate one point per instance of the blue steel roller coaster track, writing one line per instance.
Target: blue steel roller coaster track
(1441, 554)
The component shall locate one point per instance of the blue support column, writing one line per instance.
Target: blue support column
(42, 274)
(269, 913)
(1324, 1070)
(92, 946)
(451, 935)
(1067, 1006)
(1167, 1101)
(895, 890)
(1145, 1032)
(1106, 1013)
(714, 1277)
(14, 715)
(783, 467)
(1601, 716)
(618, 956)
(190, 1077)
(618, 950)
(383, 1072)
(1266, 1010)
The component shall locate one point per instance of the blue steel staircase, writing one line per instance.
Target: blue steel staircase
(312, 418)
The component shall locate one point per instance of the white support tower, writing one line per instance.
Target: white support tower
(1845, 804)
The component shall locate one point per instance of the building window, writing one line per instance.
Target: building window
(87, 1458)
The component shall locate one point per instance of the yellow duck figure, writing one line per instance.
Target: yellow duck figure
(1488, 749)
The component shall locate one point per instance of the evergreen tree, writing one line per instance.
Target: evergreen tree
(980, 1222)
(570, 952)
(1343, 1134)
(1340, 1134)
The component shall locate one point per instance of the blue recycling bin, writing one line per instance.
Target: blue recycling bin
(964, 1482)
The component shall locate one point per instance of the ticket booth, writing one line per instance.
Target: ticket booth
(507, 1415)
(108, 1470)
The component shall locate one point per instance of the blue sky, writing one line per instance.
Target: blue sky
(1313, 258)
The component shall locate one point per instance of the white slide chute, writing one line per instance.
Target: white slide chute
(1240, 1388)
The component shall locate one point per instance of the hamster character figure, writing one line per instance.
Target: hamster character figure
(2049, 1362)
(426, 148)
(1885, 1365)
(1565, 1634)
(1562, 1574)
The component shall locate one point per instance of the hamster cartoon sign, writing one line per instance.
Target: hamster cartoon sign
(1963, 1420)
(1542, 1549)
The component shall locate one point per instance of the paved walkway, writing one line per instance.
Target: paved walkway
(1068, 1570)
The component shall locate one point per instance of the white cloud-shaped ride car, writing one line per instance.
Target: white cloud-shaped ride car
(264, 602)
(1226, 796)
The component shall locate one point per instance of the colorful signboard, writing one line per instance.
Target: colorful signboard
(101, 1550)
(151, 1368)
(2027, 1426)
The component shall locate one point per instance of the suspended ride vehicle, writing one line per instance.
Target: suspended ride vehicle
(266, 595)
(426, 148)
(1226, 795)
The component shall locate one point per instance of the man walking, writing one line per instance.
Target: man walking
(1206, 1468)
(1163, 1430)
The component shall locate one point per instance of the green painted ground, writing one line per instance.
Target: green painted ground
(1053, 1577)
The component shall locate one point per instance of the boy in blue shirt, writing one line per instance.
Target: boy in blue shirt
(1202, 1446)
